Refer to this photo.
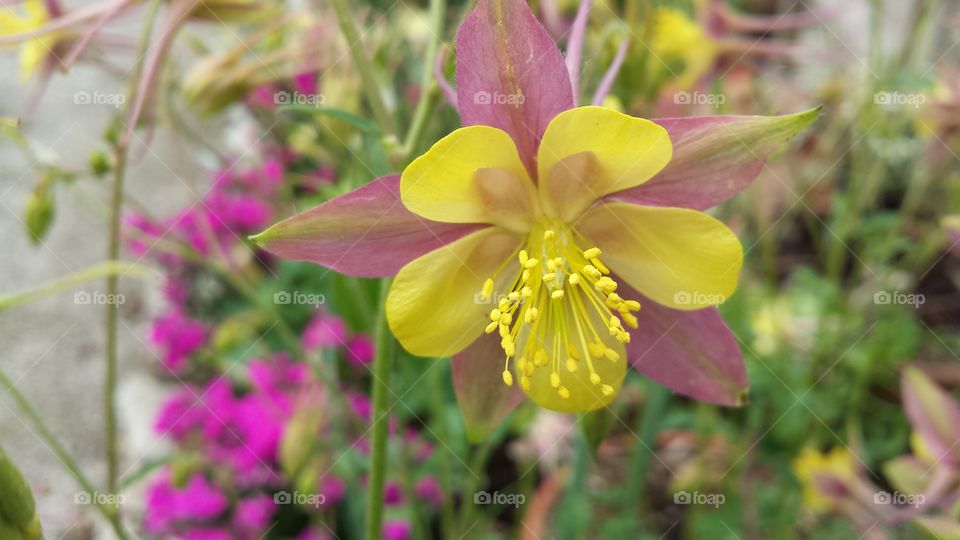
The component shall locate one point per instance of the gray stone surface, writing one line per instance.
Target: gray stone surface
(53, 347)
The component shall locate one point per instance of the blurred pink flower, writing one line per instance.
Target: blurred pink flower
(324, 331)
(177, 336)
(397, 530)
(168, 505)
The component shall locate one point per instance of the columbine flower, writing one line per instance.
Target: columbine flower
(545, 246)
(33, 51)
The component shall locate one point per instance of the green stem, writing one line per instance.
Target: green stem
(47, 436)
(113, 280)
(653, 412)
(429, 91)
(382, 364)
(438, 410)
(362, 61)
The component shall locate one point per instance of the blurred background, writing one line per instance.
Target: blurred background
(242, 388)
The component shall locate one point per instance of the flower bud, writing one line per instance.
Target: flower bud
(39, 214)
(17, 507)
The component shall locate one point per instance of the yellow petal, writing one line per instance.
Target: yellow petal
(680, 258)
(589, 152)
(473, 175)
(434, 306)
(583, 393)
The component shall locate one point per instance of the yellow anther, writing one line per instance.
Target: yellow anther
(525, 277)
(557, 294)
(606, 285)
(526, 292)
(487, 289)
(591, 271)
(607, 390)
(615, 322)
(596, 349)
(551, 266)
(506, 319)
(528, 368)
(540, 357)
(503, 305)
(571, 365)
(548, 234)
(573, 352)
(491, 327)
(592, 253)
(629, 319)
(525, 383)
(595, 378)
(574, 279)
(549, 277)
(494, 314)
(524, 257)
(558, 262)
(513, 296)
(507, 377)
(632, 305)
(531, 263)
(555, 380)
(623, 337)
(611, 354)
(564, 393)
(508, 346)
(600, 266)
(614, 300)
(530, 315)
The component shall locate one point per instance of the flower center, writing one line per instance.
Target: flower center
(561, 308)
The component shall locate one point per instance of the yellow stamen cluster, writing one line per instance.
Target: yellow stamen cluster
(559, 298)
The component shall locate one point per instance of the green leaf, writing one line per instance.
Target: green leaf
(363, 124)
(595, 425)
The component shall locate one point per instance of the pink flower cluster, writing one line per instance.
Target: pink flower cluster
(326, 331)
(231, 488)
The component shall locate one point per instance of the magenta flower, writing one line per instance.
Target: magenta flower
(549, 226)
(324, 331)
(177, 336)
(168, 505)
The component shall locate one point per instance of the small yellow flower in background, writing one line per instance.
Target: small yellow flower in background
(33, 51)
(680, 46)
(824, 476)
